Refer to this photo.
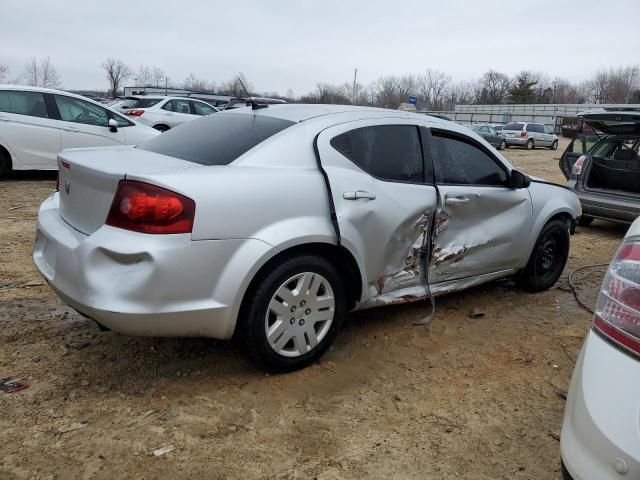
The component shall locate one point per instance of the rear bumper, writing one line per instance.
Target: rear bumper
(601, 429)
(149, 285)
(516, 140)
(609, 207)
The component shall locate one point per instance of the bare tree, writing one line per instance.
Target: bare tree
(116, 71)
(234, 86)
(49, 77)
(31, 74)
(158, 77)
(433, 86)
(494, 88)
(143, 76)
(41, 73)
(4, 71)
(199, 85)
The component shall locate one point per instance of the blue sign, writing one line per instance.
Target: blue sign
(413, 100)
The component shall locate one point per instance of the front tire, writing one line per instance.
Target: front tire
(5, 163)
(554, 145)
(547, 259)
(293, 313)
(502, 145)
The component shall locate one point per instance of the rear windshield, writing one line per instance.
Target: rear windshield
(216, 139)
(513, 126)
(140, 102)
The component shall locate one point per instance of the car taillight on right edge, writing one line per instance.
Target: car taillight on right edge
(617, 314)
(135, 113)
(142, 207)
(577, 167)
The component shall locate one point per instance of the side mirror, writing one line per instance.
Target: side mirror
(519, 179)
(113, 125)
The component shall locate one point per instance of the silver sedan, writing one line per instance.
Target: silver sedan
(270, 224)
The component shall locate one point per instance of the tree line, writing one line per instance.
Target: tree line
(434, 90)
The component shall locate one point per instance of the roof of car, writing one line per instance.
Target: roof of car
(302, 112)
(28, 88)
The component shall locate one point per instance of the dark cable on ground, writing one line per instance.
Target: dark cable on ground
(573, 287)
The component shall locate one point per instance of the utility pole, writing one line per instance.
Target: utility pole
(355, 92)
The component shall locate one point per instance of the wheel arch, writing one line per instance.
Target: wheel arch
(4, 152)
(339, 256)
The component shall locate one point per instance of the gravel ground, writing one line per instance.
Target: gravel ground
(460, 398)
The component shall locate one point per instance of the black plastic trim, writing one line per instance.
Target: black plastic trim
(332, 206)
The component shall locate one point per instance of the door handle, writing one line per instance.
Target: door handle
(457, 200)
(460, 199)
(358, 195)
(4, 119)
(70, 129)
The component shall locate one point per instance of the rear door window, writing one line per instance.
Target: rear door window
(202, 108)
(216, 139)
(458, 161)
(23, 103)
(181, 106)
(388, 152)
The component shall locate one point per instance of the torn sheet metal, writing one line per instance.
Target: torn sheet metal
(404, 252)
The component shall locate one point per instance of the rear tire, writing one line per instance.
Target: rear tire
(530, 145)
(5, 163)
(162, 128)
(502, 145)
(547, 259)
(585, 221)
(554, 145)
(292, 314)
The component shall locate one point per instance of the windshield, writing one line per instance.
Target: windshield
(139, 102)
(514, 126)
(216, 139)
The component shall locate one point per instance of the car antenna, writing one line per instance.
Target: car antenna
(254, 105)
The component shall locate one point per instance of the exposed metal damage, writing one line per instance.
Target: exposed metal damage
(412, 238)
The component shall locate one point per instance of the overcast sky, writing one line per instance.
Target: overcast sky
(288, 44)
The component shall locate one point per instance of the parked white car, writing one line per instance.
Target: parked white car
(600, 436)
(36, 123)
(529, 135)
(163, 113)
(273, 223)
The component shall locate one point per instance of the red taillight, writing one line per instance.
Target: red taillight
(135, 113)
(617, 314)
(577, 167)
(146, 208)
(523, 133)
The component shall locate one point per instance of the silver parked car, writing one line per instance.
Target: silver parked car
(606, 177)
(491, 135)
(529, 135)
(270, 224)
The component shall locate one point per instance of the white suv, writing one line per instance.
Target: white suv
(36, 123)
(163, 113)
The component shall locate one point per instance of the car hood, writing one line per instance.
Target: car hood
(613, 122)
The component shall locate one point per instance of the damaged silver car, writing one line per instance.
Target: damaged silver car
(270, 224)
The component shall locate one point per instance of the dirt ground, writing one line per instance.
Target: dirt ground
(460, 398)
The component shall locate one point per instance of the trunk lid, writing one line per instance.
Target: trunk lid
(88, 179)
(613, 122)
